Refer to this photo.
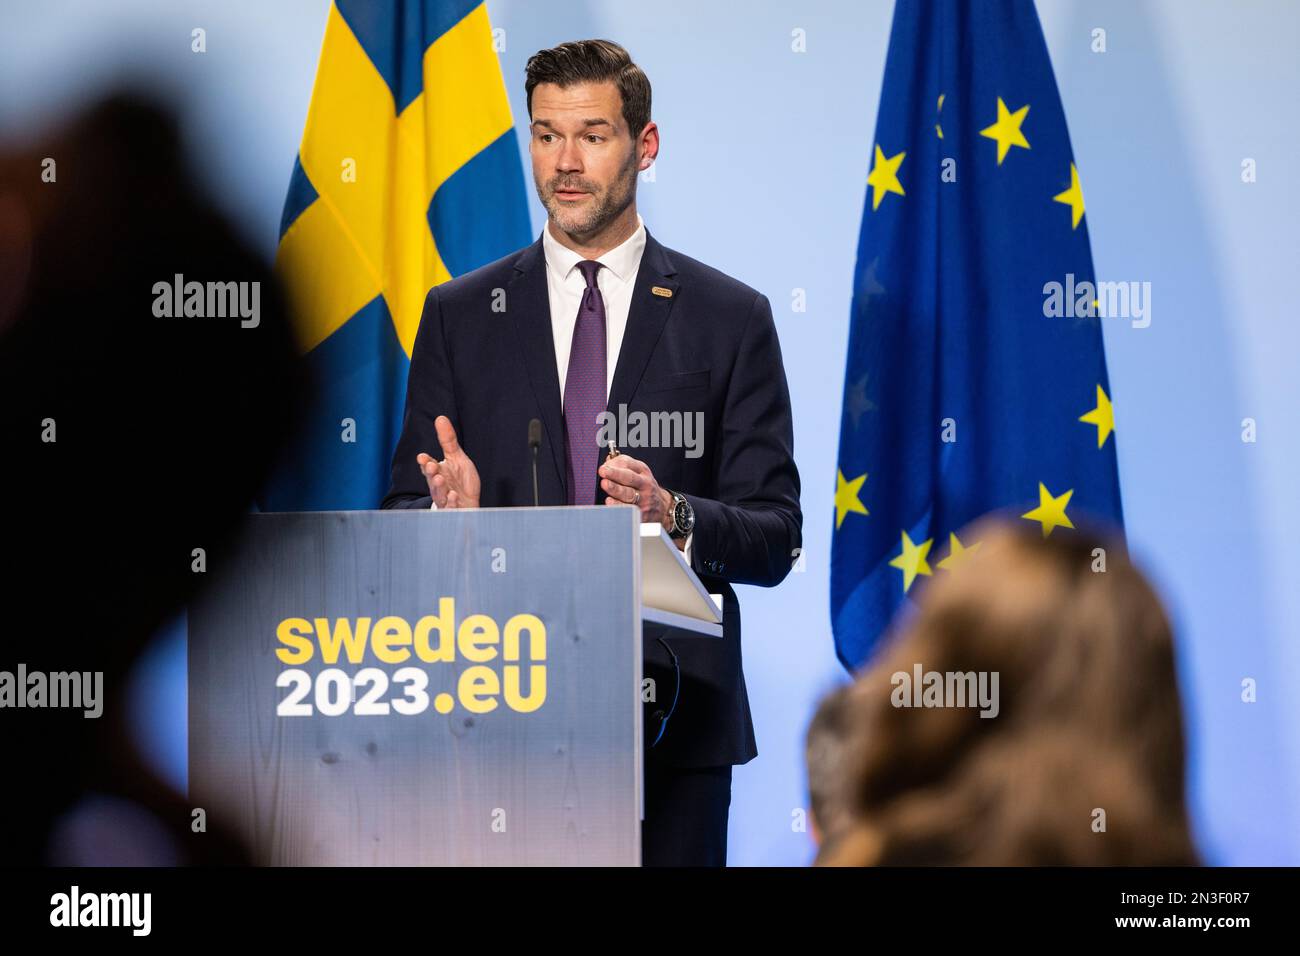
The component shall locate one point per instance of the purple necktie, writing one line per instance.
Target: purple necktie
(584, 391)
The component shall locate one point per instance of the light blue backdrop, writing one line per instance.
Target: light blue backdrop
(761, 174)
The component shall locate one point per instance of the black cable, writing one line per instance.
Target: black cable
(677, 671)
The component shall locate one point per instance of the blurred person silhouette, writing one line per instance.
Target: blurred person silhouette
(1081, 761)
(129, 440)
(826, 741)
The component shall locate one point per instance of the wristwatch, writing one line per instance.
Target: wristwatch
(683, 515)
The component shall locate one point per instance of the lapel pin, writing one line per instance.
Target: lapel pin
(660, 290)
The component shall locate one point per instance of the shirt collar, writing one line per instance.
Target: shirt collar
(622, 260)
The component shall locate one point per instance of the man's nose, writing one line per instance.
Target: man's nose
(569, 159)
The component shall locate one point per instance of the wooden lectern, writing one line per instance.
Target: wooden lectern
(434, 688)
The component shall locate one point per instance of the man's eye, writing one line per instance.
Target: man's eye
(593, 138)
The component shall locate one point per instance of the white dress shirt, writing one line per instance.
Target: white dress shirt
(565, 286)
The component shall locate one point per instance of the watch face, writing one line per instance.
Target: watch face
(682, 516)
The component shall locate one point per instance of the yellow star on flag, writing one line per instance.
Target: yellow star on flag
(958, 554)
(846, 497)
(1007, 129)
(1072, 197)
(1050, 512)
(912, 561)
(884, 177)
(1103, 416)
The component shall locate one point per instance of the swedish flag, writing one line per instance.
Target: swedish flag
(408, 175)
(976, 378)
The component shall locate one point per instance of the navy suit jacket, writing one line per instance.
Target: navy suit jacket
(711, 348)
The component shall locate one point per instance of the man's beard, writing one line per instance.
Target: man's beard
(604, 208)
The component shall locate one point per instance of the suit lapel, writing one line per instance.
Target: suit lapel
(647, 314)
(529, 306)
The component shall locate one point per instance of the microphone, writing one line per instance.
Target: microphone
(534, 442)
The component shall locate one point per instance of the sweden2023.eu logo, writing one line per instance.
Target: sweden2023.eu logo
(410, 650)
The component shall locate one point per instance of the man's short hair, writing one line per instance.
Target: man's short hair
(593, 61)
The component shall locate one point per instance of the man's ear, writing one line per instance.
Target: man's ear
(648, 146)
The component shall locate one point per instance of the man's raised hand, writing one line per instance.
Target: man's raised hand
(453, 482)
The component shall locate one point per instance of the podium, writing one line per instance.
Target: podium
(433, 688)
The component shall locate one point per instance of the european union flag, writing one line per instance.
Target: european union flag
(408, 175)
(976, 378)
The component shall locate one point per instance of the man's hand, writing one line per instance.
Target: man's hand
(629, 481)
(453, 482)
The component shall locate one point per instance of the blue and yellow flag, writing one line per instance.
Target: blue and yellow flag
(976, 378)
(408, 175)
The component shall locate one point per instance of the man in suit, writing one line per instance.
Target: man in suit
(597, 317)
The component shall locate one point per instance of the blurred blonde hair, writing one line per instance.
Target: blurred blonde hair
(1089, 717)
